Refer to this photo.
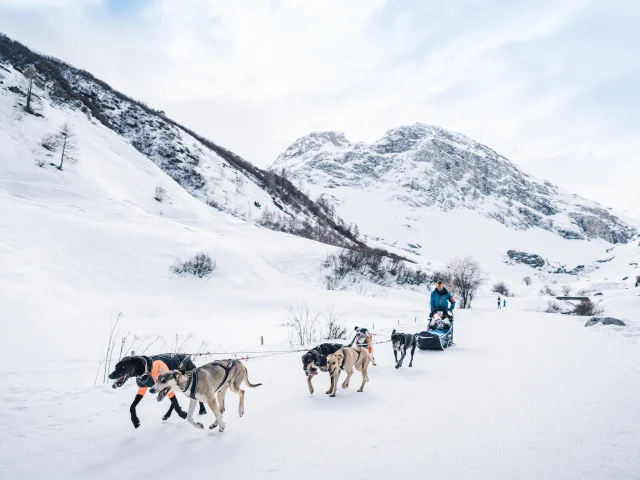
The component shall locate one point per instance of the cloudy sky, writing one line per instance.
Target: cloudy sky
(551, 84)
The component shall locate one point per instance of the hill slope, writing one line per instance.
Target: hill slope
(206, 170)
(420, 183)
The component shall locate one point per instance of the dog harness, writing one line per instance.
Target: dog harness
(344, 358)
(192, 383)
(227, 370)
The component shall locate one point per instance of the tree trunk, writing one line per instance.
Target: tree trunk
(64, 146)
(29, 89)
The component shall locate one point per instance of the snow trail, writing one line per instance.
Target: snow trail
(509, 401)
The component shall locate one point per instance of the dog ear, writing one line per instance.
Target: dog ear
(355, 329)
(394, 331)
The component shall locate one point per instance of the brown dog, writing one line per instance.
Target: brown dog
(347, 359)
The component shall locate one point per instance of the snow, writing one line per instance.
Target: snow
(523, 395)
(509, 401)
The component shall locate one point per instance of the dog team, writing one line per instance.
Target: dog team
(168, 373)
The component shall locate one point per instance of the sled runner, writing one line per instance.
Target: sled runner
(436, 339)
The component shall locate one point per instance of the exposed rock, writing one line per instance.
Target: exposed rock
(531, 259)
(604, 321)
(427, 166)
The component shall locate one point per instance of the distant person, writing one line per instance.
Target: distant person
(499, 303)
(504, 303)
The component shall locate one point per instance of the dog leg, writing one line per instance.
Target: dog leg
(334, 384)
(345, 384)
(192, 409)
(395, 355)
(132, 410)
(330, 391)
(169, 412)
(365, 378)
(235, 388)
(219, 421)
(403, 354)
(203, 411)
(413, 350)
(175, 406)
(309, 378)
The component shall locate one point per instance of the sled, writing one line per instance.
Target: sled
(436, 339)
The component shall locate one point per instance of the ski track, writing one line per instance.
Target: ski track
(508, 401)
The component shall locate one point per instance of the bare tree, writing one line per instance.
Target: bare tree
(467, 276)
(33, 79)
(527, 281)
(69, 145)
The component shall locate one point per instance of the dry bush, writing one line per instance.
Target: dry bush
(586, 308)
(199, 266)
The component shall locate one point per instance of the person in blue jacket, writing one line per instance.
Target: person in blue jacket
(442, 301)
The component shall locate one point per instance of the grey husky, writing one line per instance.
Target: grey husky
(208, 384)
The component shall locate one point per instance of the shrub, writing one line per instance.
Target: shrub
(373, 265)
(566, 290)
(335, 328)
(161, 194)
(553, 307)
(586, 308)
(637, 280)
(302, 326)
(199, 266)
(501, 288)
(50, 142)
(527, 281)
(547, 291)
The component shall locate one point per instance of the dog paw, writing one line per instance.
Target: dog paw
(241, 411)
(165, 418)
(202, 412)
(398, 366)
(136, 423)
(213, 425)
(327, 392)
(182, 414)
(199, 425)
(359, 390)
(332, 395)
(222, 427)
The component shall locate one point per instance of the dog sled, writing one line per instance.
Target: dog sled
(436, 338)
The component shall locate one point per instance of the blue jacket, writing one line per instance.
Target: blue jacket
(440, 300)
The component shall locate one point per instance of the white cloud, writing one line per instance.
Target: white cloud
(522, 77)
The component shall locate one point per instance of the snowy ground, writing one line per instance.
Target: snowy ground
(523, 395)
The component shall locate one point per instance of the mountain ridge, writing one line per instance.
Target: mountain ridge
(429, 166)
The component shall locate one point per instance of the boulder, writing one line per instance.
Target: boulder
(604, 321)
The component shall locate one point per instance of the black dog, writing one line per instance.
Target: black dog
(146, 370)
(403, 342)
(316, 359)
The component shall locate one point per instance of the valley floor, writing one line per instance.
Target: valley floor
(523, 395)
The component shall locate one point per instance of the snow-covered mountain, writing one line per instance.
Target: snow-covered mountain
(437, 193)
(423, 166)
(209, 172)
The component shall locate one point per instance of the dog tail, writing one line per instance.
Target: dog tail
(246, 379)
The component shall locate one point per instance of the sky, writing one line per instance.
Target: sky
(553, 85)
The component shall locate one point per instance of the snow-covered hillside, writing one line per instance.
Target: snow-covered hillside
(209, 172)
(435, 192)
